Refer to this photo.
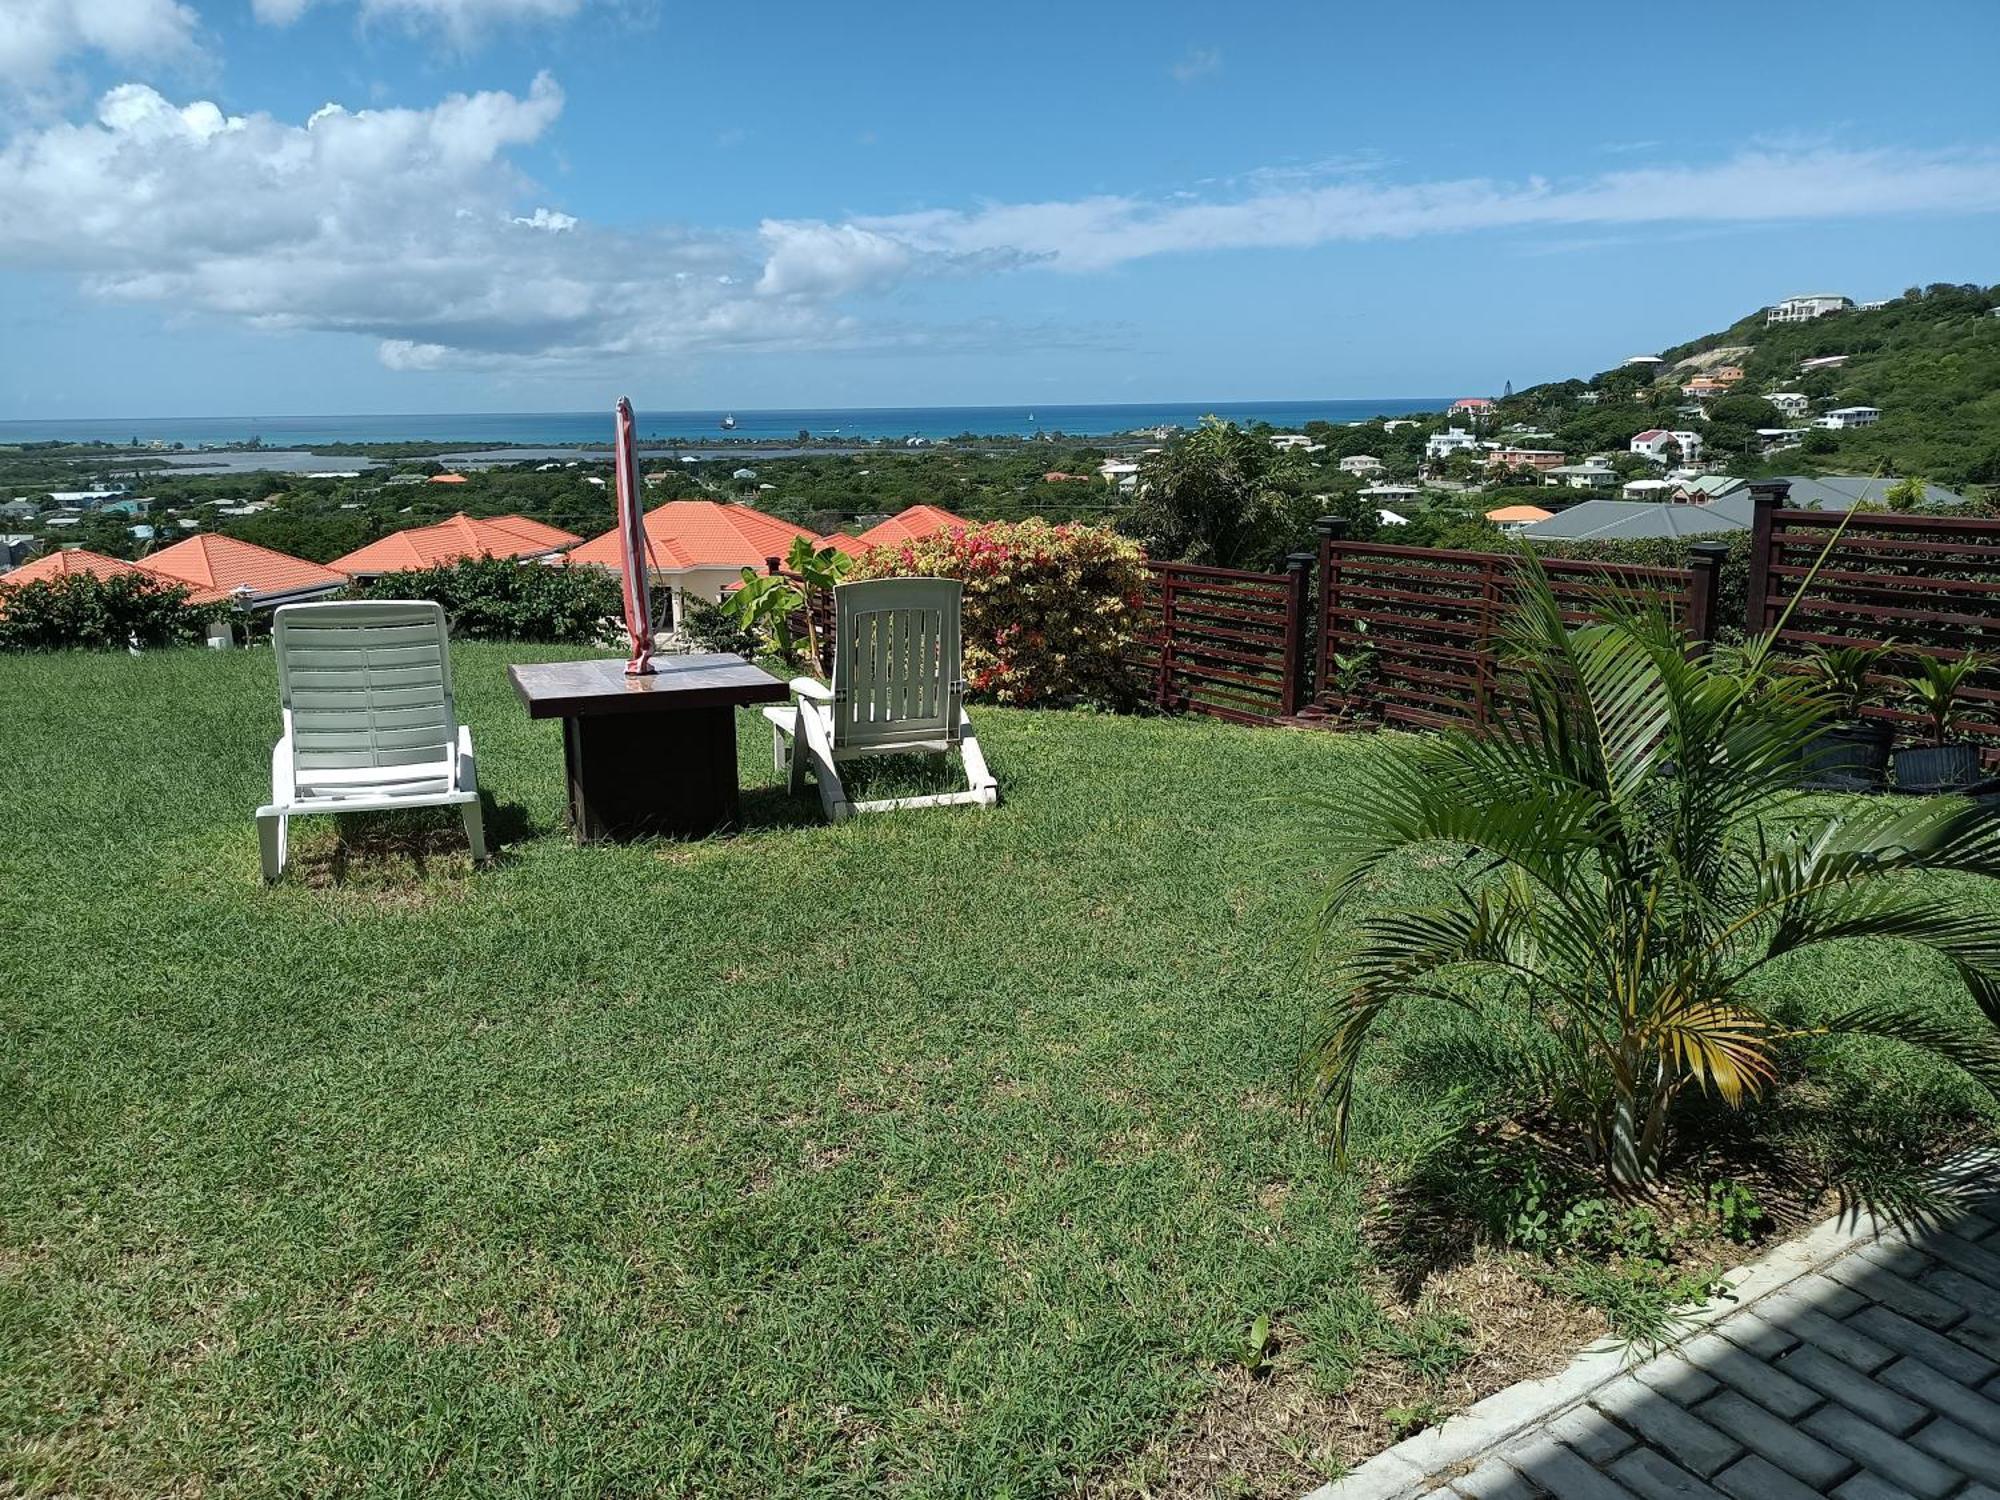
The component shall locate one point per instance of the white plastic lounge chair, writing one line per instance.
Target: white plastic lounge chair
(898, 686)
(365, 688)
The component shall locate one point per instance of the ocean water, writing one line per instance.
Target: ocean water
(701, 426)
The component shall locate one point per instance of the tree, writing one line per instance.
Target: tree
(1633, 853)
(1221, 496)
(1906, 494)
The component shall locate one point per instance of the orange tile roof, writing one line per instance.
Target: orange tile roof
(905, 526)
(447, 479)
(448, 541)
(221, 567)
(688, 534)
(67, 563)
(1518, 513)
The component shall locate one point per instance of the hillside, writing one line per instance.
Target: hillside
(1930, 360)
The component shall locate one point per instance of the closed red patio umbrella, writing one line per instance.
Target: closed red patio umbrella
(632, 547)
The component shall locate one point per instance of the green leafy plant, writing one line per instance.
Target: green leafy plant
(777, 607)
(1735, 1210)
(1638, 853)
(1846, 676)
(81, 610)
(498, 599)
(1255, 1355)
(1937, 689)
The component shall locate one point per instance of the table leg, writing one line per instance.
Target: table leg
(638, 775)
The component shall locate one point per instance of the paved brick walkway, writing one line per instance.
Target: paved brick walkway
(1875, 1378)
(1865, 1369)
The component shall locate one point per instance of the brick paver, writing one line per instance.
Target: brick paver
(1876, 1377)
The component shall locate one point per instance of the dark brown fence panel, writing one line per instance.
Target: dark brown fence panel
(1926, 585)
(1426, 621)
(1223, 641)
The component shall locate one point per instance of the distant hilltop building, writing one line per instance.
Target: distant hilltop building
(1469, 406)
(1804, 309)
(1645, 359)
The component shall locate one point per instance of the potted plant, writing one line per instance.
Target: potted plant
(1937, 691)
(1850, 753)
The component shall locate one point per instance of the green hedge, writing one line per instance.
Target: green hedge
(83, 611)
(497, 599)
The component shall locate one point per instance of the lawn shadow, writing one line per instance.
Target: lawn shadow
(385, 850)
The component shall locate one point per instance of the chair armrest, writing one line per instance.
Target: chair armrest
(467, 769)
(282, 786)
(812, 687)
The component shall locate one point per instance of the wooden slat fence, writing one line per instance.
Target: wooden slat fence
(1225, 642)
(1408, 635)
(1928, 585)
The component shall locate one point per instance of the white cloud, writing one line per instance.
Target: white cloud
(414, 228)
(1199, 63)
(460, 19)
(37, 36)
(548, 219)
(396, 224)
(1091, 234)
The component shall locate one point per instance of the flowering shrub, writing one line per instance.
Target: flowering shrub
(81, 610)
(1049, 610)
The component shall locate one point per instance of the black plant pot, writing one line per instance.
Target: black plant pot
(1930, 769)
(1848, 757)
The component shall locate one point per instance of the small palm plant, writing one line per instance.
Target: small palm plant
(1937, 689)
(1636, 853)
(1845, 676)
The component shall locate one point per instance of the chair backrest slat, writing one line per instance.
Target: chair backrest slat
(896, 661)
(366, 684)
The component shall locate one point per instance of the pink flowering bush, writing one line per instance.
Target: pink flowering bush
(1049, 610)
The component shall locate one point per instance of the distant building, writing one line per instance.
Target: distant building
(1590, 398)
(88, 499)
(1360, 463)
(16, 547)
(743, 474)
(1703, 386)
(1513, 518)
(1583, 476)
(1726, 374)
(418, 547)
(1653, 444)
(1646, 489)
(1804, 309)
(699, 548)
(214, 568)
(1401, 422)
(1296, 440)
(1516, 459)
(1119, 473)
(1451, 440)
(1789, 403)
(1390, 494)
(913, 524)
(20, 510)
(1850, 416)
(1776, 439)
(1646, 360)
(448, 479)
(1390, 518)
(1469, 406)
(1822, 362)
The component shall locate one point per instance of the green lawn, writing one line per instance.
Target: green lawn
(938, 1154)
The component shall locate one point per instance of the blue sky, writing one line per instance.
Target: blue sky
(537, 204)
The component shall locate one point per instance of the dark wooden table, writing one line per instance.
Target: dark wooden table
(647, 755)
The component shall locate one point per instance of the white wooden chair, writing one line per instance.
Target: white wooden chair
(898, 687)
(365, 689)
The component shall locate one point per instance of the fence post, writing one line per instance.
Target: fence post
(1163, 681)
(1297, 687)
(1766, 496)
(1331, 529)
(1705, 560)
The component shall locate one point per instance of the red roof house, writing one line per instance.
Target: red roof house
(701, 545)
(68, 563)
(451, 541)
(216, 567)
(905, 526)
(447, 479)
